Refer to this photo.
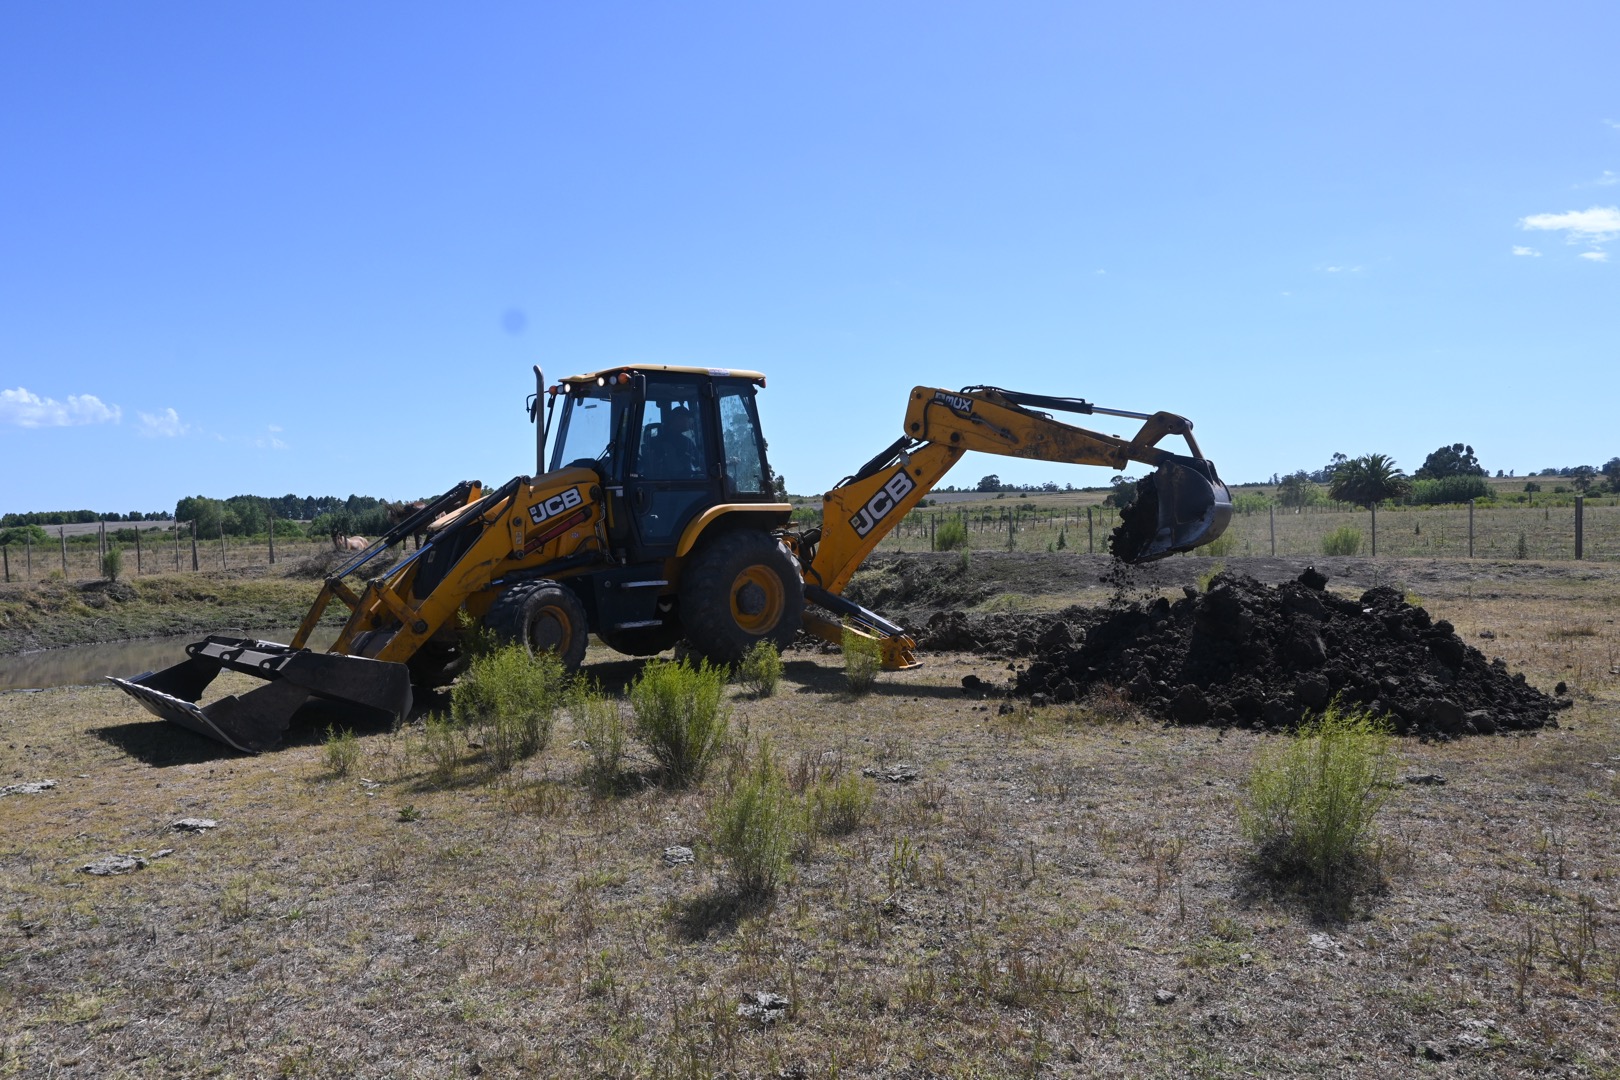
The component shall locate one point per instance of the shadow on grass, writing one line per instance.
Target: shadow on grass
(812, 678)
(1331, 903)
(717, 911)
(161, 744)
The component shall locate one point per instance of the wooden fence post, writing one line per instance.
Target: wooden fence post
(5, 552)
(1580, 513)
(1470, 528)
(1271, 512)
(1091, 537)
(1374, 509)
(222, 565)
(137, 551)
(61, 533)
(177, 547)
(272, 539)
(194, 565)
(28, 552)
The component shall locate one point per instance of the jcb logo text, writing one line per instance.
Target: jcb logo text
(555, 505)
(879, 505)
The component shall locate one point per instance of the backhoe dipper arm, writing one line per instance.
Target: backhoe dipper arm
(942, 425)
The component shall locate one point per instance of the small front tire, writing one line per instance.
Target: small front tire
(543, 616)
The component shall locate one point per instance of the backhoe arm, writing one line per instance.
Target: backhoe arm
(1181, 506)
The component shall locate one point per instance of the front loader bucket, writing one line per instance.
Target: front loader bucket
(1181, 506)
(256, 720)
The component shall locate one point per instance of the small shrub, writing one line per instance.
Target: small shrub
(512, 696)
(1521, 550)
(754, 827)
(863, 659)
(112, 563)
(1345, 540)
(441, 742)
(761, 669)
(1310, 802)
(599, 721)
(680, 714)
(951, 536)
(341, 752)
(1207, 578)
(1063, 539)
(1221, 546)
(838, 806)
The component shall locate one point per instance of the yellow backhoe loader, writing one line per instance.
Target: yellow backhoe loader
(656, 522)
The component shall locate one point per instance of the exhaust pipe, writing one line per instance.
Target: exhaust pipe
(256, 721)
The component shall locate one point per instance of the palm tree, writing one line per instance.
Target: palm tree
(1368, 480)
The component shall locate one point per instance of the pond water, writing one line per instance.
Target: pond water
(82, 665)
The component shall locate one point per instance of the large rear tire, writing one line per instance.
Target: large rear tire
(741, 588)
(543, 616)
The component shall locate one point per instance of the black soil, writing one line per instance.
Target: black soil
(1138, 522)
(1251, 655)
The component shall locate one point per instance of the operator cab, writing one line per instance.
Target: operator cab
(668, 442)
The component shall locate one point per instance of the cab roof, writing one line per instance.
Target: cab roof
(631, 369)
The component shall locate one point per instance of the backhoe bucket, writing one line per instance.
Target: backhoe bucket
(256, 720)
(1181, 506)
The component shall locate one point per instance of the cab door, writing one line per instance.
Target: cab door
(673, 472)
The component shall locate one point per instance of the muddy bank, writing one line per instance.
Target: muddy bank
(1252, 655)
(52, 614)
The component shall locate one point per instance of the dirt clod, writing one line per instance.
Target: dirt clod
(1250, 655)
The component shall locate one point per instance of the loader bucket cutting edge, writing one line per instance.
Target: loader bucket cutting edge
(1192, 505)
(255, 721)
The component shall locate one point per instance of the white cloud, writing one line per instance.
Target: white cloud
(1596, 256)
(1608, 177)
(1594, 226)
(165, 424)
(1342, 269)
(270, 442)
(1613, 123)
(1532, 252)
(30, 410)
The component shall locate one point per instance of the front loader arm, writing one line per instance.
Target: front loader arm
(942, 425)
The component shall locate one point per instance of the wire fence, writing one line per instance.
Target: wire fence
(1444, 532)
(158, 551)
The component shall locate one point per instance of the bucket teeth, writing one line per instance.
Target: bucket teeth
(256, 721)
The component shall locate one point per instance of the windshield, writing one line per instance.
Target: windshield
(585, 433)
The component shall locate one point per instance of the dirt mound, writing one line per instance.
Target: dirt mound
(1254, 656)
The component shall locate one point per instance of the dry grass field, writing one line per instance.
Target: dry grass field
(1037, 892)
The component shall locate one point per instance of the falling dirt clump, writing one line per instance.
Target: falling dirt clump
(1139, 522)
(1246, 654)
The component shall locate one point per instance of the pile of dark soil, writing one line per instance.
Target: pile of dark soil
(1254, 656)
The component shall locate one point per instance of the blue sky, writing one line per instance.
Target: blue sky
(317, 248)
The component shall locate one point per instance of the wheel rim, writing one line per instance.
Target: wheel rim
(550, 631)
(757, 600)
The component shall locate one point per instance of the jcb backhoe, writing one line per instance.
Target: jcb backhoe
(655, 522)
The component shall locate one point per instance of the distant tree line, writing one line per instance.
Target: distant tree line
(1451, 474)
(79, 517)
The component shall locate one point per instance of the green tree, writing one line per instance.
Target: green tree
(1368, 480)
(990, 483)
(1454, 460)
(1296, 489)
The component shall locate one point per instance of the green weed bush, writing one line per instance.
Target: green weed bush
(599, 722)
(441, 743)
(761, 669)
(1345, 540)
(863, 659)
(112, 563)
(754, 827)
(1448, 489)
(680, 714)
(951, 536)
(341, 751)
(1310, 802)
(513, 697)
(838, 806)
